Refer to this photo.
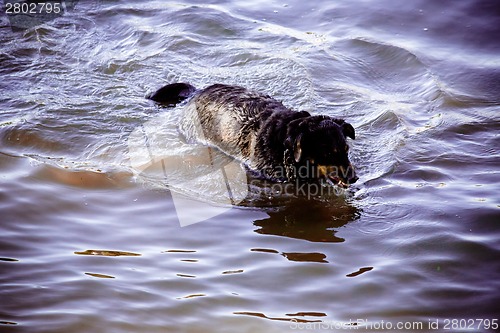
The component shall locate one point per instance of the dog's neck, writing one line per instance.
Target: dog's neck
(288, 160)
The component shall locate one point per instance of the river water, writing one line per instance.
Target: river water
(112, 222)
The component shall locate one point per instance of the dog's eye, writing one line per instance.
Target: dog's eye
(346, 148)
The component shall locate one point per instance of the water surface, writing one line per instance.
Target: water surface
(90, 235)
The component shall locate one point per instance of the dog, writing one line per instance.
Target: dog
(273, 141)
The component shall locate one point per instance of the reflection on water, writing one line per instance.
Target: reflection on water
(311, 220)
(192, 296)
(106, 253)
(290, 317)
(360, 271)
(89, 222)
(306, 257)
(101, 276)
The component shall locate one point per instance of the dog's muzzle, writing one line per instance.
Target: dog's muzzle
(338, 175)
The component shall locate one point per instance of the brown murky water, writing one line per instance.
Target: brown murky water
(96, 181)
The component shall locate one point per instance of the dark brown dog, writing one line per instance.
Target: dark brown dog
(273, 141)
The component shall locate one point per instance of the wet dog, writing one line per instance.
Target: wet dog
(272, 140)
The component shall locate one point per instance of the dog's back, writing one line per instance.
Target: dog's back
(231, 117)
(228, 117)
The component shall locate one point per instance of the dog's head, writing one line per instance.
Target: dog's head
(320, 149)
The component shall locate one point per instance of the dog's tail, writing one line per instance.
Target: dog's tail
(171, 94)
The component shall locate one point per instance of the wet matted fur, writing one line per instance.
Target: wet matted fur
(272, 140)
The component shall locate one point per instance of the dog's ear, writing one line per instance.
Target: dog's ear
(348, 130)
(297, 149)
